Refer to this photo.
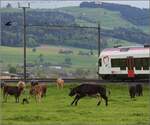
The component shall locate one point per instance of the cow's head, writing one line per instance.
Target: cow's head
(72, 92)
(2, 84)
(34, 82)
(21, 85)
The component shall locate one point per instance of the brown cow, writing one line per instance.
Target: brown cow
(44, 87)
(60, 83)
(37, 91)
(13, 90)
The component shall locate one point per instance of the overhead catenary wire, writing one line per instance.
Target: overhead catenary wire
(63, 26)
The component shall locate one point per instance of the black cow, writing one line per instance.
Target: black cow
(132, 91)
(12, 90)
(135, 90)
(88, 90)
(139, 90)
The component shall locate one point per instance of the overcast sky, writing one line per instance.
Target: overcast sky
(66, 3)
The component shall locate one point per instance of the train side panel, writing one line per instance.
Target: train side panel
(134, 63)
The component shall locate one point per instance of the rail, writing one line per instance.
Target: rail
(81, 80)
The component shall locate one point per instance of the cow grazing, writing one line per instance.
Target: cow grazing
(13, 90)
(37, 91)
(60, 83)
(89, 90)
(43, 86)
(135, 90)
(139, 90)
(132, 91)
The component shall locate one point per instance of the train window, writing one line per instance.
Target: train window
(138, 63)
(119, 63)
(100, 62)
(112, 62)
(145, 63)
(115, 62)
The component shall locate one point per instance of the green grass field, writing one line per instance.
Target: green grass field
(14, 55)
(55, 109)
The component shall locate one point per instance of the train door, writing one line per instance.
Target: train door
(130, 66)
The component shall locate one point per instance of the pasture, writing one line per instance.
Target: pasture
(55, 109)
(14, 56)
(50, 53)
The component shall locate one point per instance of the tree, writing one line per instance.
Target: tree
(41, 58)
(8, 5)
(32, 42)
(68, 61)
(34, 49)
(12, 69)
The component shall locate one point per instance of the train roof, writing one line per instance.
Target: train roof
(123, 52)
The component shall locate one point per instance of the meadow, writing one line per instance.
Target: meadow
(55, 109)
(14, 56)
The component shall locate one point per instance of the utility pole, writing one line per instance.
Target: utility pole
(24, 36)
(149, 46)
(99, 39)
(99, 46)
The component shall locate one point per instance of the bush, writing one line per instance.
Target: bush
(68, 61)
(12, 69)
(34, 49)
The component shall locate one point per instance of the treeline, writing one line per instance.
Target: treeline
(75, 37)
(12, 35)
(134, 15)
(130, 34)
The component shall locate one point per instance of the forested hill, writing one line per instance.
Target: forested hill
(134, 15)
(114, 27)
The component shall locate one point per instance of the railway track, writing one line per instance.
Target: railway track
(80, 80)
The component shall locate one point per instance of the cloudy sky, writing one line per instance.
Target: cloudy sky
(65, 3)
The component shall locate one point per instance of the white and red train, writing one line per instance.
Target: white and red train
(125, 63)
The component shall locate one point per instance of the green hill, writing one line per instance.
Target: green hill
(93, 16)
(107, 18)
(113, 26)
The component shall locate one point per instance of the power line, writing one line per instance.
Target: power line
(63, 26)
